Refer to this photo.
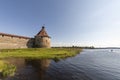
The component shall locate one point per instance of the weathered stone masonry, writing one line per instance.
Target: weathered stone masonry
(8, 41)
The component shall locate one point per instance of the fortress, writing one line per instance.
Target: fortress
(40, 40)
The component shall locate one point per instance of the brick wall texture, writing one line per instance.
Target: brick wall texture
(9, 42)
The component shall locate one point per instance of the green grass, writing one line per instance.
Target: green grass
(6, 69)
(39, 53)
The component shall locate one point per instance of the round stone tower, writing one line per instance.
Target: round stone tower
(42, 40)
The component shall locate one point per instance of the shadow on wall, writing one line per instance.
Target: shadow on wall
(31, 43)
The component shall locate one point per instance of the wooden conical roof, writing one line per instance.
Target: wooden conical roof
(42, 32)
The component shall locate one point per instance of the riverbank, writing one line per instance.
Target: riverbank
(40, 53)
(6, 69)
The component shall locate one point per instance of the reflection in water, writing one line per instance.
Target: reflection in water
(29, 69)
(93, 64)
(40, 66)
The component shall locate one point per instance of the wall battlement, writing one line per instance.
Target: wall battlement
(9, 41)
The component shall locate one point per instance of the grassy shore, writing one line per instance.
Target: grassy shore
(6, 69)
(39, 52)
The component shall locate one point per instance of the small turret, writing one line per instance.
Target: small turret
(42, 40)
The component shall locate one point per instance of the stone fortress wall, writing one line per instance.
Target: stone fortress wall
(8, 41)
(42, 39)
(42, 42)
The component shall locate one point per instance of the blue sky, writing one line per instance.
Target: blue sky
(68, 22)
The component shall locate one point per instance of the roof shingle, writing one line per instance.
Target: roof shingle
(42, 32)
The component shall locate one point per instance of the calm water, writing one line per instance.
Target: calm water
(94, 64)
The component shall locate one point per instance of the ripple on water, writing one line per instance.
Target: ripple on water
(89, 65)
(93, 64)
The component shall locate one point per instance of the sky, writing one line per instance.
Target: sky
(68, 22)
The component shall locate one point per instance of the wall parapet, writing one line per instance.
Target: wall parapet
(11, 35)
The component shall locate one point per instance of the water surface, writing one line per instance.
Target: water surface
(91, 64)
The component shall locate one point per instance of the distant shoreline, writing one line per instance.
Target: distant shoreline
(91, 47)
